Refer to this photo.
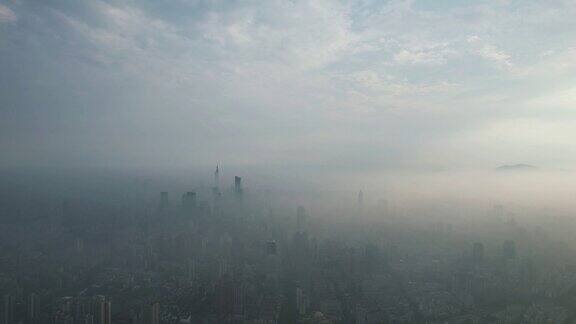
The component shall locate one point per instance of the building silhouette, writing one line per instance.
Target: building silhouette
(102, 309)
(238, 187)
(7, 309)
(189, 201)
(478, 252)
(164, 202)
(217, 177)
(271, 248)
(31, 309)
(153, 316)
(509, 249)
(300, 219)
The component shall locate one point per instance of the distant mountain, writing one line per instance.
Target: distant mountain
(517, 167)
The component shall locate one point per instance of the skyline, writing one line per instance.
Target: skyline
(287, 161)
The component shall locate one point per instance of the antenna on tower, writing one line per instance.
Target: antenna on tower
(217, 176)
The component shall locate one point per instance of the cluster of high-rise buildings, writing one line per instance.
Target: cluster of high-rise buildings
(232, 256)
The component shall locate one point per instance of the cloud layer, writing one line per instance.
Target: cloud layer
(342, 84)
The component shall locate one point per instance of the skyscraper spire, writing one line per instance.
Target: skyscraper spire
(217, 177)
(360, 204)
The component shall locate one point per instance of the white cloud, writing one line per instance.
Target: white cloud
(430, 57)
(7, 15)
(293, 64)
(490, 52)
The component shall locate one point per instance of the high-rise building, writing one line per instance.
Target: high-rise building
(107, 312)
(153, 316)
(383, 207)
(271, 248)
(31, 309)
(217, 177)
(88, 319)
(191, 269)
(216, 194)
(189, 200)
(361, 315)
(164, 202)
(102, 309)
(300, 219)
(509, 249)
(229, 297)
(478, 252)
(360, 203)
(238, 186)
(62, 318)
(498, 212)
(66, 215)
(7, 309)
(223, 267)
(301, 301)
(79, 244)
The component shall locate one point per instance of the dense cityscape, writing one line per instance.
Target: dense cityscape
(287, 162)
(226, 254)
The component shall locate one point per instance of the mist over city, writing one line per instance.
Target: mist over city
(287, 161)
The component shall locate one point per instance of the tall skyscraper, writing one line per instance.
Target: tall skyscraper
(300, 219)
(360, 203)
(301, 301)
(163, 200)
(66, 214)
(191, 269)
(153, 316)
(107, 312)
(509, 249)
(229, 297)
(31, 309)
(498, 212)
(189, 200)
(102, 309)
(238, 186)
(478, 252)
(88, 319)
(383, 207)
(216, 194)
(217, 177)
(271, 248)
(7, 309)
(79, 245)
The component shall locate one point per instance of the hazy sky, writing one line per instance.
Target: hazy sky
(343, 84)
